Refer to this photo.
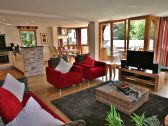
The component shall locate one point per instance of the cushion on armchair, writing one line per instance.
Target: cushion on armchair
(80, 58)
(89, 61)
(63, 66)
(54, 61)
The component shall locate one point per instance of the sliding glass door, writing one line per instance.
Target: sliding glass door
(135, 33)
(119, 40)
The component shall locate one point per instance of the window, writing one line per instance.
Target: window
(64, 32)
(113, 48)
(107, 40)
(136, 34)
(72, 36)
(28, 38)
(84, 38)
(119, 40)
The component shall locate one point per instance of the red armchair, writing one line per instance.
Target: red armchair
(92, 72)
(61, 80)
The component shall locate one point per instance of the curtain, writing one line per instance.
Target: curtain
(162, 45)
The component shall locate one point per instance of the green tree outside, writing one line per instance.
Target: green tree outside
(137, 30)
(28, 39)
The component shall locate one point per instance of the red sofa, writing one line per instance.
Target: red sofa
(44, 106)
(29, 94)
(60, 80)
(92, 72)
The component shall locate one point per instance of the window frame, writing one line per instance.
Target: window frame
(32, 30)
(148, 19)
(87, 36)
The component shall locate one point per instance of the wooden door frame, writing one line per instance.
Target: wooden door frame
(125, 35)
(101, 36)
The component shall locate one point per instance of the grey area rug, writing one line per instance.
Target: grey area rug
(83, 105)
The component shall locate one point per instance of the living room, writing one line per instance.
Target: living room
(93, 41)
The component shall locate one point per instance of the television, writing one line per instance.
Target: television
(2, 43)
(140, 59)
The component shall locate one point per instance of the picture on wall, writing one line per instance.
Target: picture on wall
(44, 39)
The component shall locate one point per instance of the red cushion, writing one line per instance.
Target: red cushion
(89, 61)
(10, 106)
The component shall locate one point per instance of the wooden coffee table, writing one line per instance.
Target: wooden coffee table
(111, 96)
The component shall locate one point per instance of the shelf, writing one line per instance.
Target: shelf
(144, 77)
(139, 80)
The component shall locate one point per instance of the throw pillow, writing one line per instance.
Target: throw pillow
(14, 86)
(22, 80)
(35, 117)
(63, 66)
(89, 61)
(80, 58)
(53, 62)
(10, 106)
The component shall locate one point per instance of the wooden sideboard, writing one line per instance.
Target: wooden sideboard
(142, 77)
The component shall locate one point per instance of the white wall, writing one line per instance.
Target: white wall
(46, 50)
(12, 36)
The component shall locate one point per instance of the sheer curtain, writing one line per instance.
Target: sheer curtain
(162, 45)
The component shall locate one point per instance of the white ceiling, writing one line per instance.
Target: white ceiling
(76, 12)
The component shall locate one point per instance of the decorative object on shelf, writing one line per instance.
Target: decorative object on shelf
(44, 39)
(27, 27)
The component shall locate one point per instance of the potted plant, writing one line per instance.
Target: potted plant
(113, 119)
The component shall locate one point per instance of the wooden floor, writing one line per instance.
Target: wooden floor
(47, 93)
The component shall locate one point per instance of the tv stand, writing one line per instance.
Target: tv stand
(142, 77)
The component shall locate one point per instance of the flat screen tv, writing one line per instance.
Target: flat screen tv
(140, 59)
(2, 43)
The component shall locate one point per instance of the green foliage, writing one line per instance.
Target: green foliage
(118, 32)
(28, 39)
(113, 118)
(138, 120)
(142, 121)
(137, 30)
(152, 121)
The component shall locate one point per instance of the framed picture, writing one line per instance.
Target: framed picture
(44, 39)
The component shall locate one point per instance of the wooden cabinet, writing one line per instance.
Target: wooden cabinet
(142, 77)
